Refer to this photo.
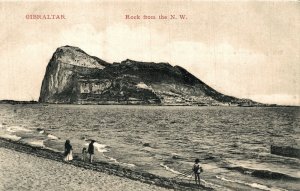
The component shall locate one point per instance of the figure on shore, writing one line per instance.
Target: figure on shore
(91, 150)
(68, 151)
(197, 170)
(84, 154)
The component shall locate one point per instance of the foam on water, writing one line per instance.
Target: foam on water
(52, 137)
(207, 184)
(101, 148)
(10, 137)
(14, 129)
(36, 143)
(272, 168)
(170, 169)
(116, 161)
(211, 185)
(253, 185)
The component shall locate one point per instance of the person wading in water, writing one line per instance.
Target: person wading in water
(91, 150)
(197, 170)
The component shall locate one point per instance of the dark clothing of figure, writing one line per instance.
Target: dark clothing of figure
(91, 151)
(68, 148)
(91, 148)
(68, 151)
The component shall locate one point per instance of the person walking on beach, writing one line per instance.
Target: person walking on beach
(91, 150)
(197, 170)
(68, 151)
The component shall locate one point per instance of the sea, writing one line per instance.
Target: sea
(232, 143)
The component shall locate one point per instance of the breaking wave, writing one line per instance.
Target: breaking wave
(265, 174)
(101, 148)
(253, 185)
(14, 129)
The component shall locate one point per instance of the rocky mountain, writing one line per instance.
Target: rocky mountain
(72, 76)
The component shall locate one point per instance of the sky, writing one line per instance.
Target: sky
(244, 49)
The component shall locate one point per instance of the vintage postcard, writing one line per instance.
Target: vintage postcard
(149, 95)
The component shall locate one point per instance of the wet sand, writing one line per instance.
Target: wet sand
(21, 171)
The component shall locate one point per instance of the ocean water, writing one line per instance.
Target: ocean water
(232, 143)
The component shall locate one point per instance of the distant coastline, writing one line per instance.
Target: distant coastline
(15, 102)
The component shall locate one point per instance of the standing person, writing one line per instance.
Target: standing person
(84, 154)
(197, 170)
(91, 150)
(68, 151)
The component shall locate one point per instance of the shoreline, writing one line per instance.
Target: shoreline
(21, 171)
(109, 169)
(12, 102)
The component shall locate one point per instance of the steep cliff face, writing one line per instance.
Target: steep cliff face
(72, 76)
(60, 80)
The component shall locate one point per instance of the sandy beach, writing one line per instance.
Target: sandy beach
(21, 171)
(26, 167)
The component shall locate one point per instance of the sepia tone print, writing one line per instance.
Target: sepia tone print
(149, 95)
